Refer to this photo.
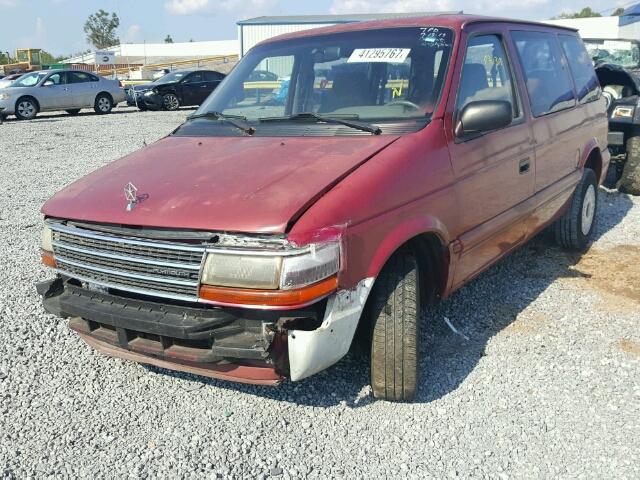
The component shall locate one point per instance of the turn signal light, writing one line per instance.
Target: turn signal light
(48, 260)
(269, 298)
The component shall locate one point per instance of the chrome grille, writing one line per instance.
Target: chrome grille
(133, 264)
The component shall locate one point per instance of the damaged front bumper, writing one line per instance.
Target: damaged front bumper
(236, 344)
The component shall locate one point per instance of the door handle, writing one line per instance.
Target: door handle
(524, 165)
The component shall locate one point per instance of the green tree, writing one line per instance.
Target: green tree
(617, 12)
(168, 39)
(586, 12)
(47, 59)
(5, 58)
(101, 28)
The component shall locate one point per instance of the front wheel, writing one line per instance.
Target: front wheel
(630, 179)
(395, 316)
(26, 108)
(170, 102)
(103, 104)
(574, 229)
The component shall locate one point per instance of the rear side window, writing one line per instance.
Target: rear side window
(587, 85)
(486, 74)
(79, 77)
(212, 76)
(548, 82)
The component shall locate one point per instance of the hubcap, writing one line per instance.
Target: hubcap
(104, 104)
(588, 209)
(26, 109)
(171, 102)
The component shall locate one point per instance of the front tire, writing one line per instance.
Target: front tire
(395, 315)
(630, 180)
(103, 104)
(26, 108)
(170, 102)
(574, 229)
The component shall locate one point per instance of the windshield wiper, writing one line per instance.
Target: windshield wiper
(357, 125)
(235, 120)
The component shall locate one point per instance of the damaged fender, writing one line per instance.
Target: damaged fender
(313, 351)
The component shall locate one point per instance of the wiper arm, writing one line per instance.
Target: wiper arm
(235, 120)
(357, 125)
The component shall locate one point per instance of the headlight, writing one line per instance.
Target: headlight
(4, 96)
(46, 240)
(623, 112)
(271, 280)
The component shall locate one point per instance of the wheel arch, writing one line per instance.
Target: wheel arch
(593, 159)
(28, 96)
(104, 92)
(429, 239)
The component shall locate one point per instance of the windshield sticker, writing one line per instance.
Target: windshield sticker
(385, 55)
(433, 36)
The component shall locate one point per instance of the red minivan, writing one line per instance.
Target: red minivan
(383, 166)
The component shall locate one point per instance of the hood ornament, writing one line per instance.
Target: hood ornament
(131, 194)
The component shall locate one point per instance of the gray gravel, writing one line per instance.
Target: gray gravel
(548, 384)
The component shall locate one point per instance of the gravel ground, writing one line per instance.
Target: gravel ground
(546, 384)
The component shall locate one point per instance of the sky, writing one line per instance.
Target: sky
(56, 25)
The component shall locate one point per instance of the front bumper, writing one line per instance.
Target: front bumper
(153, 101)
(8, 106)
(237, 344)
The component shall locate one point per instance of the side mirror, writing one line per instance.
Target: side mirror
(484, 116)
(48, 83)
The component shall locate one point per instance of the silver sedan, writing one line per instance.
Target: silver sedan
(69, 90)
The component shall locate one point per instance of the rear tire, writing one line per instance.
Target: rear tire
(630, 180)
(574, 229)
(170, 102)
(73, 112)
(103, 104)
(26, 108)
(395, 316)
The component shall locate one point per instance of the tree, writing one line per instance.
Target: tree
(101, 29)
(47, 59)
(5, 58)
(586, 12)
(168, 39)
(617, 12)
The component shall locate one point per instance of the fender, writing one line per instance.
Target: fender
(401, 234)
(593, 145)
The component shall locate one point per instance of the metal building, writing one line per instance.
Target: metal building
(255, 30)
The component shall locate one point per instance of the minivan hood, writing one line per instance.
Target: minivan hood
(241, 184)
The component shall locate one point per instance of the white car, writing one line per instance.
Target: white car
(69, 90)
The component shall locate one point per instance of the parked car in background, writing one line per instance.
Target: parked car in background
(9, 79)
(253, 242)
(181, 88)
(69, 90)
(617, 65)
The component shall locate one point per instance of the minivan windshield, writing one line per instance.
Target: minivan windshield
(370, 75)
(30, 79)
(617, 52)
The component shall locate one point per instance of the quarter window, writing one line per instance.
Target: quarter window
(581, 66)
(548, 82)
(486, 74)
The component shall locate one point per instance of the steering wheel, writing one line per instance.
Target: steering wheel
(404, 103)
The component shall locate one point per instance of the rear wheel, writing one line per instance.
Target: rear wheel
(395, 315)
(170, 101)
(574, 229)
(103, 104)
(630, 180)
(74, 111)
(26, 108)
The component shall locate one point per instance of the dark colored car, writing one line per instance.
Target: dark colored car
(181, 88)
(617, 64)
(260, 238)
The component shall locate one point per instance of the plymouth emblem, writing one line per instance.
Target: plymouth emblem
(131, 194)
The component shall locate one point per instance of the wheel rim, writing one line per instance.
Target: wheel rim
(171, 102)
(104, 104)
(588, 209)
(26, 108)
